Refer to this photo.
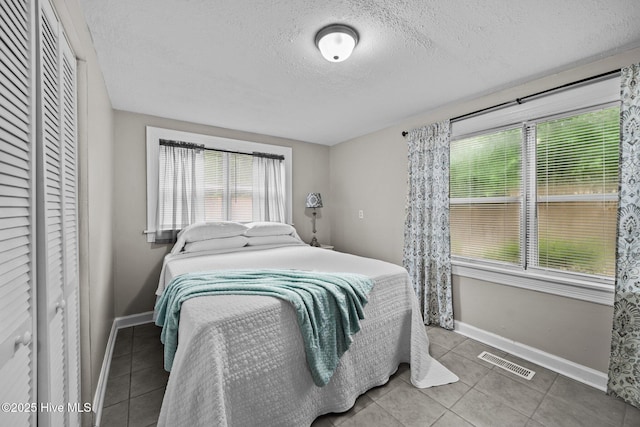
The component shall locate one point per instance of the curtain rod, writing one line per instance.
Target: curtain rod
(183, 144)
(254, 153)
(191, 145)
(530, 97)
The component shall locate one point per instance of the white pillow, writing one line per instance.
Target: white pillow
(268, 229)
(234, 242)
(211, 230)
(273, 240)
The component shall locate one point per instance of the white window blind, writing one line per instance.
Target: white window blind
(486, 196)
(576, 180)
(228, 184)
(541, 196)
(17, 214)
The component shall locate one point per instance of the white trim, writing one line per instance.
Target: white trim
(134, 320)
(154, 134)
(577, 288)
(581, 373)
(101, 387)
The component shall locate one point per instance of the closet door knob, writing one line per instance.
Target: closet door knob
(60, 306)
(24, 339)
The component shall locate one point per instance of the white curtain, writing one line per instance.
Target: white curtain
(180, 189)
(427, 255)
(624, 363)
(268, 188)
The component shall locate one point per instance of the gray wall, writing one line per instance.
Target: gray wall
(95, 151)
(138, 263)
(370, 172)
(569, 328)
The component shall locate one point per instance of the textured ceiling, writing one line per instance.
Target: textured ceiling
(253, 65)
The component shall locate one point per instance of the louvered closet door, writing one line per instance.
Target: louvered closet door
(70, 228)
(57, 225)
(17, 305)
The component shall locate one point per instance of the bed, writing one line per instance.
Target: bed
(240, 359)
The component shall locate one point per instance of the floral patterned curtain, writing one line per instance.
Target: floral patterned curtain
(624, 363)
(427, 255)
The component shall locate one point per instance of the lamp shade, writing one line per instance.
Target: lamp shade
(336, 42)
(314, 200)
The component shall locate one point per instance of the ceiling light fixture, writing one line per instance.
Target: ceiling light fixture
(336, 42)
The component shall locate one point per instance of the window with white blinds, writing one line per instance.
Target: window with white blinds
(486, 193)
(238, 180)
(228, 186)
(541, 195)
(576, 184)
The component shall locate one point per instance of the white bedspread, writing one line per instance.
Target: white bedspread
(241, 360)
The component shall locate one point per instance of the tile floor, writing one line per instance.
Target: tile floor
(484, 396)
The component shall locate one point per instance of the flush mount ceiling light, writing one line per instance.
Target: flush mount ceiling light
(336, 42)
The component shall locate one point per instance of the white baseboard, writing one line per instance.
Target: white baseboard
(557, 364)
(134, 319)
(101, 388)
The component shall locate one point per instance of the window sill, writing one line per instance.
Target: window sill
(577, 288)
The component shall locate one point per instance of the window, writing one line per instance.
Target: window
(486, 196)
(228, 191)
(539, 196)
(228, 180)
(576, 181)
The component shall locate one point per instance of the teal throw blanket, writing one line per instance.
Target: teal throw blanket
(329, 307)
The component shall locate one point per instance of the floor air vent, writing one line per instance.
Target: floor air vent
(506, 365)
